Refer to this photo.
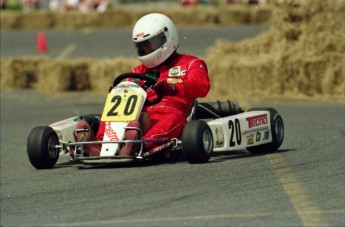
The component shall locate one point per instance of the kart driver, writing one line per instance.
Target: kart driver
(181, 78)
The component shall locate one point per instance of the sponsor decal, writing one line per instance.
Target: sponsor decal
(159, 32)
(266, 135)
(258, 136)
(175, 71)
(110, 132)
(174, 80)
(257, 120)
(219, 136)
(139, 34)
(128, 85)
(250, 139)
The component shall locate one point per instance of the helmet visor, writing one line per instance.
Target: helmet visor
(150, 45)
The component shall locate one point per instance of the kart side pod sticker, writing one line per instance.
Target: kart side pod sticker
(219, 137)
(250, 138)
(257, 137)
(257, 120)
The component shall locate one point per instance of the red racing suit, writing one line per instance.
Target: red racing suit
(168, 117)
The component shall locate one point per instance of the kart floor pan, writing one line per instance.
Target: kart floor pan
(106, 160)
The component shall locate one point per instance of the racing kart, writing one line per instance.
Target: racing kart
(211, 127)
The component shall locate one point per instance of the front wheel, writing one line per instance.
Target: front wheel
(197, 142)
(277, 131)
(41, 147)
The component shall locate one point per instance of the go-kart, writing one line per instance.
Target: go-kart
(211, 127)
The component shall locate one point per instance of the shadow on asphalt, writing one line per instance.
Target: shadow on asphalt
(231, 155)
(177, 158)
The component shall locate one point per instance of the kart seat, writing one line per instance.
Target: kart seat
(93, 120)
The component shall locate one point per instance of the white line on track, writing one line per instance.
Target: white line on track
(147, 221)
(67, 51)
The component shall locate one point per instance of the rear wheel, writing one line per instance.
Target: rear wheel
(41, 147)
(277, 130)
(197, 142)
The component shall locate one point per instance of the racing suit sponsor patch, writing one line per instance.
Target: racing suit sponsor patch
(174, 80)
(175, 71)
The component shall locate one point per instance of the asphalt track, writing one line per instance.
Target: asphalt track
(300, 185)
(111, 43)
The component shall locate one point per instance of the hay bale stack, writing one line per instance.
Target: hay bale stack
(244, 14)
(302, 53)
(313, 59)
(194, 16)
(75, 19)
(115, 18)
(32, 20)
(19, 73)
(9, 20)
(126, 17)
(103, 73)
(64, 75)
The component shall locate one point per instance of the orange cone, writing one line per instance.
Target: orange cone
(41, 42)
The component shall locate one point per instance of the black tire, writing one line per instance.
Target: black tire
(41, 147)
(277, 128)
(197, 142)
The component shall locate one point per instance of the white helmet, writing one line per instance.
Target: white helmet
(155, 38)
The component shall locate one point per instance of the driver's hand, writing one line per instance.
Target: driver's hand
(164, 88)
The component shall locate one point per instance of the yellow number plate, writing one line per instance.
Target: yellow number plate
(121, 106)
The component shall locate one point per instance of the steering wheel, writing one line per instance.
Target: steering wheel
(148, 79)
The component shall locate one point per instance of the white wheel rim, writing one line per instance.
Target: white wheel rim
(207, 141)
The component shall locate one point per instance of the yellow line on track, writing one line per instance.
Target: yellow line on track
(299, 197)
(67, 51)
(86, 31)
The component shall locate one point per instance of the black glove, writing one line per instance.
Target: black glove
(164, 88)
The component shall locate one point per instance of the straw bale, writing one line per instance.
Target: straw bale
(35, 19)
(19, 73)
(193, 16)
(9, 20)
(103, 72)
(302, 53)
(75, 19)
(124, 17)
(115, 18)
(244, 14)
(64, 75)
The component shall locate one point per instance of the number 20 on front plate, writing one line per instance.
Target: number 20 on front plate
(121, 107)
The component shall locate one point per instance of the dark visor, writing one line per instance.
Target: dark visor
(150, 45)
